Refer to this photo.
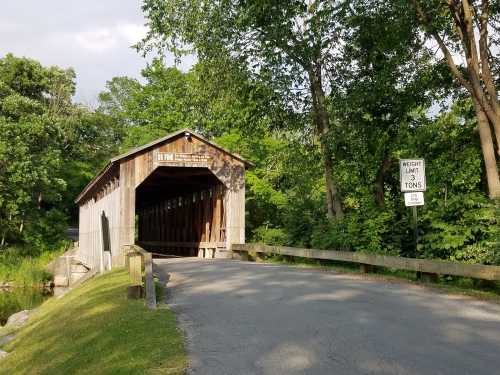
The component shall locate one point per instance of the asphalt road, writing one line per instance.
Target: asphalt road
(248, 318)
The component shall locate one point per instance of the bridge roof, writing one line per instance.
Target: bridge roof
(115, 160)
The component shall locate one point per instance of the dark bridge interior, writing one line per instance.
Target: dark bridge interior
(180, 210)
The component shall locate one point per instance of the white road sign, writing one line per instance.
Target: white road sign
(414, 199)
(412, 173)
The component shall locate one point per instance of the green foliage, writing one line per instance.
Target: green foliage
(46, 229)
(145, 112)
(49, 149)
(270, 236)
(385, 88)
(465, 228)
(370, 231)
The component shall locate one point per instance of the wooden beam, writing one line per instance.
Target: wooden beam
(428, 266)
(197, 245)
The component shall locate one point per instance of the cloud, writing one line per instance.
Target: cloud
(132, 32)
(104, 39)
(93, 37)
(100, 40)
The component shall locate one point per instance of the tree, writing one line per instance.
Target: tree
(384, 77)
(47, 144)
(461, 30)
(290, 44)
(144, 112)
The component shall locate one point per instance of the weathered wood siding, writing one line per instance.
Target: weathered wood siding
(235, 212)
(127, 206)
(90, 234)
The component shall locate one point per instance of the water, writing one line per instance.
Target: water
(16, 299)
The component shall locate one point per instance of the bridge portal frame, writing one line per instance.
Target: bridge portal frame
(108, 218)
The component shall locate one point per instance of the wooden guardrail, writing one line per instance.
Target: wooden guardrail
(425, 266)
(138, 262)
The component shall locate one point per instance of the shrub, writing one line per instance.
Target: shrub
(371, 231)
(270, 236)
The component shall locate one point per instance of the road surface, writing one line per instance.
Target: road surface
(243, 318)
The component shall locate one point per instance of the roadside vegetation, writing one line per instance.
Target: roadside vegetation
(95, 329)
(22, 266)
(49, 148)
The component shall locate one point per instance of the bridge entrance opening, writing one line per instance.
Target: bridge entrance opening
(180, 211)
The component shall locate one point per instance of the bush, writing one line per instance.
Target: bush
(270, 236)
(371, 231)
(47, 230)
(464, 228)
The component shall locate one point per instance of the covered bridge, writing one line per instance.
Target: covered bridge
(180, 194)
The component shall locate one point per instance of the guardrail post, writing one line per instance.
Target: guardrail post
(366, 268)
(238, 255)
(427, 277)
(149, 281)
(260, 257)
(135, 268)
(68, 270)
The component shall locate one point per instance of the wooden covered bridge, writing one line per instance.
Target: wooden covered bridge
(180, 194)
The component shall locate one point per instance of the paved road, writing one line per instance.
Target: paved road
(246, 318)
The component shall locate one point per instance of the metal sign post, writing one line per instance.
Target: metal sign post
(415, 229)
(413, 184)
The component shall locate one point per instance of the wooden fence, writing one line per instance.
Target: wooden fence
(138, 262)
(425, 266)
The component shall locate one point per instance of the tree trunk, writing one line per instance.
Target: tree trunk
(496, 130)
(322, 123)
(333, 199)
(379, 182)
(487, 107)
(488, 150)
(485, 101)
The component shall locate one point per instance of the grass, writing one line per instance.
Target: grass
(96, 330)
(24, 266)
(445, 284)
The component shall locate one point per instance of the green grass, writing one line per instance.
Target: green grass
(455, 285)
(96, 330)
(24, 266)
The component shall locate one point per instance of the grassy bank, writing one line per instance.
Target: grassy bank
(95, 330)
(25, 266)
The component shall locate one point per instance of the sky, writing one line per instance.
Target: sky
(92, 36)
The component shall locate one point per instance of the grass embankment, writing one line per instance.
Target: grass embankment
(447, 284)
(96, 330)
(24, 266)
